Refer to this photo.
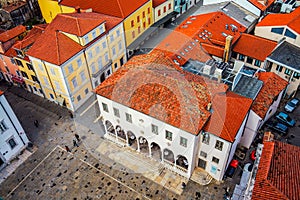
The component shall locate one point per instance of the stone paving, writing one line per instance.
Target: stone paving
(51, 164)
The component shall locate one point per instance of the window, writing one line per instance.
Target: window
(205, 138)
(165, 9)
(94, 34)
(101, 28)
(105, 107)
(90, 54)
(78, 98)
(70, 68)
(34, 88)
(99, 61)
(121, 61)
(219, 145)
(257, 63)
(114, 50)
(215, 160)
(116, 65)
(34, 78)
(24, 74)
(79, 62)
(203, 154)
(148, 10)
(120, 45)
(290, 34)
(52, 70)
(86, 39)
(104, 45)
(108, 72)
(139, 30)
(183, 141)
(97, 49)
(118, 33)
(154, 129)
(169, 135)
(143, 14)
(116, 112)
(93, 68)
(234, 55)
(144, 25)
(111, 38)
(12, 143)
(138, 19)
(19, 63)
(45, 80)
(241, 57)
(149, 21)
(132, 23)
(41, 67)
(133, 34)
(86, 91)
(3, 126)
(249, 60)
(158, 13)
(277, 30)
(57, 86)
(288, 72)
(29, 66)
(74, 82)
(82, 76)
(296, 75)
(51, 95)
(279, 68)
(106, 57)
(128, 117)
(169, 6)
(18, 73)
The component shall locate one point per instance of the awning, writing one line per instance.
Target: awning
(16, 79)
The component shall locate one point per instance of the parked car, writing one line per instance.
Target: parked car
(232, 168)
(291, 105)
(278, 127)
(285, 118)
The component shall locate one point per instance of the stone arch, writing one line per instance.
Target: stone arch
(132, 141)
(182, 161)
(168, 155)
(155, 151)
(120, 132)
(109, 127)
(143, 143)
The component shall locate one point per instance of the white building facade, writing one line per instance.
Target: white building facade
(12, 136)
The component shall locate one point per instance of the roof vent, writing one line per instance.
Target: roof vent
(188, 22)
(193, 18)
(184, 26)
(233, 27)
(224, 34)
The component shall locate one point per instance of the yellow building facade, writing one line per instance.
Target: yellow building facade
(139, 21)
(50, 8)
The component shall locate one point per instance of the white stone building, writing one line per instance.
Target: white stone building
(12, 136)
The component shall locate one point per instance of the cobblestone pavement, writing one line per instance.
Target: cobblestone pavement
(50, 172)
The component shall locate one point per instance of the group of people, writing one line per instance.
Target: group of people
(75, 142)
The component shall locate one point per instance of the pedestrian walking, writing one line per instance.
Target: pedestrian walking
(77, 137)
(75, 143)
(36, 123)
(67, 148)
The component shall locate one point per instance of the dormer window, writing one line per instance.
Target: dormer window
(20, 53)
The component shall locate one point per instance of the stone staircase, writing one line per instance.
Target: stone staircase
(200, 176)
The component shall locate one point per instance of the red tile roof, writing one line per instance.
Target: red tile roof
(205, 28)
(273, 85)
(14, 6)
(292, 20)
(278, 172)
(30, 38)
(12, 33)
(213, 50)
(55, 47)
(229, 112)
(255, 47)
(156, 3)
(262, 4)
(117, 8)
(1, 92)
(151, 84)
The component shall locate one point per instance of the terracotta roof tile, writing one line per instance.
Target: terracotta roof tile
(1, 92)
(291, 20)
(255, 47)
(55, 47)
(273, 85)
(213, 50)
(12, 33)
(278, 172)
(117, 8)
(156, 3)
(30, 38)
(151, 84)
(229, 112)
(262, 4)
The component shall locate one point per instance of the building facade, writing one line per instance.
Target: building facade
(13, 138)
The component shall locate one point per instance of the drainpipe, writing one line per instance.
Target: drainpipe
(12, 123)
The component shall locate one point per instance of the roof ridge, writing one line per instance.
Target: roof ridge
(78, 26)
(57, 44)
(120, 7)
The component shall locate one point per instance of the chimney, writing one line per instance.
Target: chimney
(208, 106)
(227, 48)
(77, 9)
